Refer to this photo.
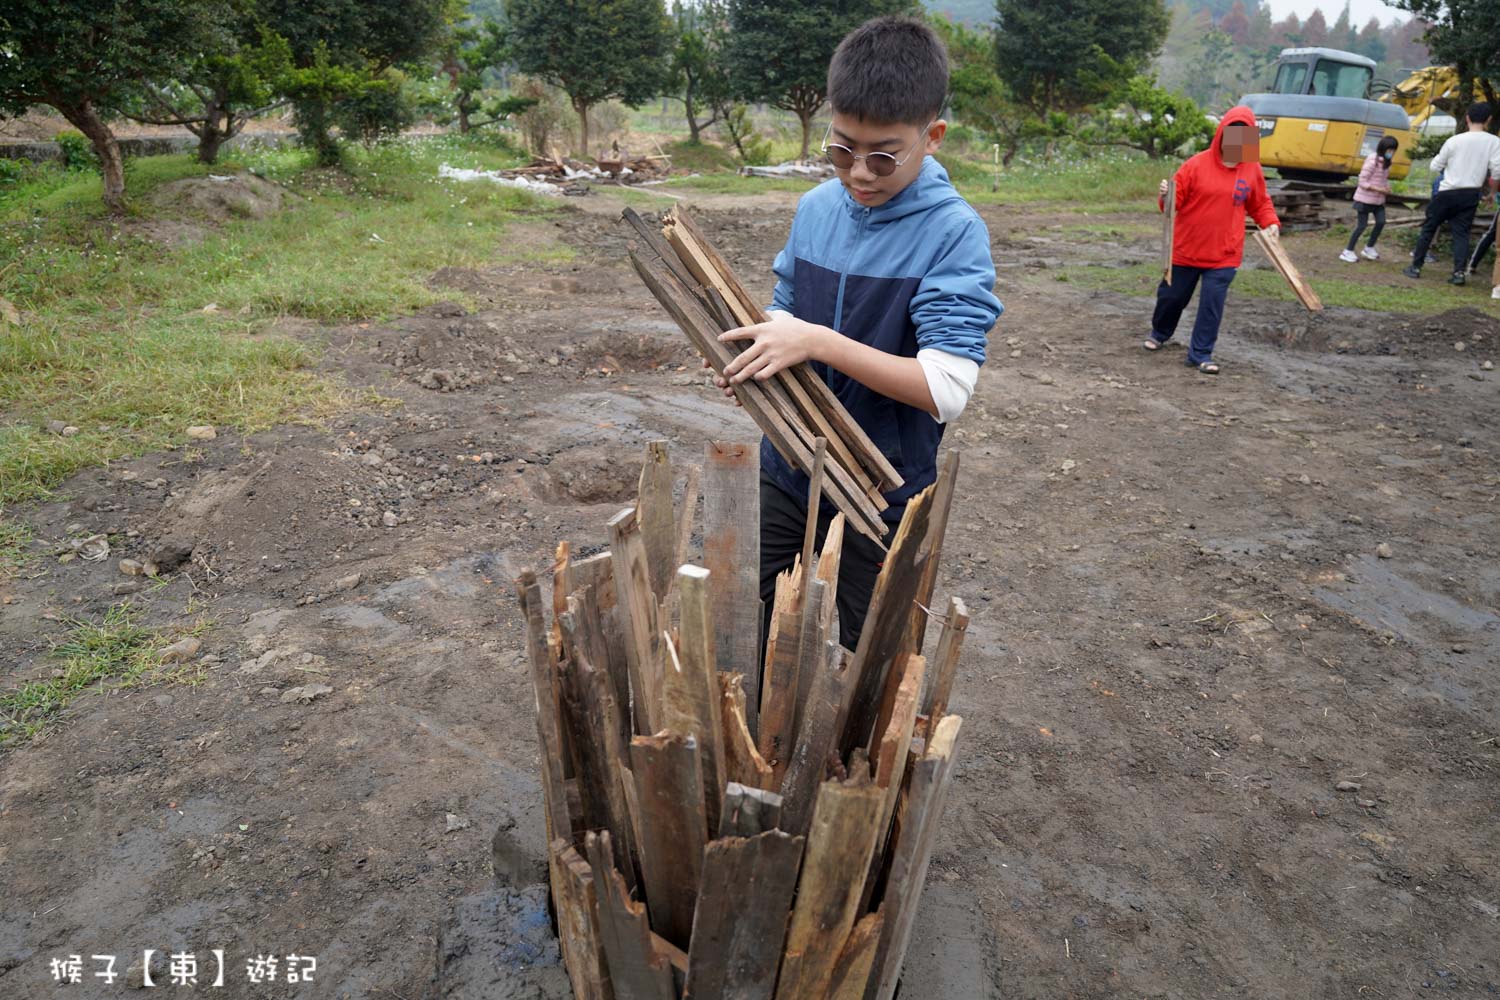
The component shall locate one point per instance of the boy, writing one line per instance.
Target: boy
(1464, 160)
(885, 285)
(1215, 190)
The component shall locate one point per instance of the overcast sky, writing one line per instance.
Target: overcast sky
(1360, 11)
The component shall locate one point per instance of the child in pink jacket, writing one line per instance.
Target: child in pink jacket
(1369, 198)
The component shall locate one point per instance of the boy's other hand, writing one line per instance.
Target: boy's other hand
(1162, 190)
(1272, 230)
(780, 342)
(723, 384)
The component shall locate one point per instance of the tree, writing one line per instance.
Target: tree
(1236, 23)
(83, 57)
(595, 51)
(1370, 42)
(1067, 54)
(1342, 35)
(697, 73)
(1464, 34)
(979, 98)
(1315, 29)
(471, 52)
(778, 50)
(1157, 122)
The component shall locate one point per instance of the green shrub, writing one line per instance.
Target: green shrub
(12, 172)
(77, 151)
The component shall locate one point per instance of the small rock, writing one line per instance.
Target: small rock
(1365, 803)
(1488, 366)
(69, 431)
(389, 519)
(488, 457)
(131, 567)
(1305, 479)
(128, 587)
(1384, 550)
(454, 823)
(1460, 346)
(182, 650)
(56, 426)
(172, 552)
(1257, 738)
(372, 460)
(348, 582)
(1068, 465)
(163, 701)
(1347, 786)
(202, 432)
(1459, 647)
(305, 693)
(268, 690)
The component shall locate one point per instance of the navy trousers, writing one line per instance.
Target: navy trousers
(1172, 299)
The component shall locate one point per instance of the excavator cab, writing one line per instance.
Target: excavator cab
(1317, 122)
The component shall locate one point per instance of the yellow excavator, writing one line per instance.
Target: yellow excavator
(1318, 122)
(1431, 92)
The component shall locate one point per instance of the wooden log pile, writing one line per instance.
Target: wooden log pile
(793, 408)
(699, 850)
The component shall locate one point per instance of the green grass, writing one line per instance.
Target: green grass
(115, 338)
(738, 184)
(117, 651)
(1104, 183)
(701, 156)
(1397, 296)
(14, 539)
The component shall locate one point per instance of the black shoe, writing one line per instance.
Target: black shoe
(1458, 278)
(1412, 271)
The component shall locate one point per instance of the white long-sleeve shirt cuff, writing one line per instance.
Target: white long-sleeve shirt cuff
(950, 380)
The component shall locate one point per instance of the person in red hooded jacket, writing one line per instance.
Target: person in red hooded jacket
(1215, 190)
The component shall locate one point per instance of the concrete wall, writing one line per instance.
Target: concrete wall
(42, 152)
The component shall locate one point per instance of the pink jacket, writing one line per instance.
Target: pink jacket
(1374, 177)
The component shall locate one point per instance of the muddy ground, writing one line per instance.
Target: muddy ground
(1185, 637)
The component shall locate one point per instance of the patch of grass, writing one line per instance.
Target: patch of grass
(739, 184)
(116, 339)
(1102, 183)
(1412, 297)
(14, 539)
(117, 649)
(701, 156)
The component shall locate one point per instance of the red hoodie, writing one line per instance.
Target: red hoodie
(1212, 201)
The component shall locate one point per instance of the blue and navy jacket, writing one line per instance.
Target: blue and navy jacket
(911, 274)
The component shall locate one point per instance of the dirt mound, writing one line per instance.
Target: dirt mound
(1356, 331)
(640, 353)
(220, 196)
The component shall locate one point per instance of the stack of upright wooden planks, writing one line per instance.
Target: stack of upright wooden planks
(699, 851)
(794, 407)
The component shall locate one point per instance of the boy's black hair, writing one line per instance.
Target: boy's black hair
(890, 70)
(1386, 142)
(1479, 112)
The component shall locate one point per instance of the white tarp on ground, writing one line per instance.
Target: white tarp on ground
(812, 171)
(524, 183)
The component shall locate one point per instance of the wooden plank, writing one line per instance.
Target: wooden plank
(945, 660)
(748, 811)
(887, 625)
(731, 551)
(778, 708)
(742, 916)
(851, 973)
(1276, 253)
(669, 795)
(597, 571)
(817, 739)
(689, 515)
(838, 854)
(742, 761)
(828, 569)
(813, 625)
(1169, 221)
(913, 844)
(942, 504)
(637, 970)
(638, 607)
(651, 236)
(548, 720)
(693, 702)
(890, 757)
(814, 502)
(578, 923)
(655, 514)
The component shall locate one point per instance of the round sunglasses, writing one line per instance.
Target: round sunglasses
(880, 164)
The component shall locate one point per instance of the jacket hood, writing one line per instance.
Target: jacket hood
(930, 189)
(1237, 115)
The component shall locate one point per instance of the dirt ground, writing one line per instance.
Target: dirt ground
(1200, 605)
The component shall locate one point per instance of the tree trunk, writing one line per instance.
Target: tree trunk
(806, 116)
(583, 126)
(463, 115)
(85, 117)
(209, 141)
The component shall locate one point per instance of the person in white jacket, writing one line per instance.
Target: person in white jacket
(1465, 160)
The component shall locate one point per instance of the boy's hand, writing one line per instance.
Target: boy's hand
(1163, 189)
(723, 384)
(1272, 230)
(780, 342)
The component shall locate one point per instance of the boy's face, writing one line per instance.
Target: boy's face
(907, 143)
(1241, 145)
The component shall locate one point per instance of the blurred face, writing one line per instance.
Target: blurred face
(861, 150)
(1241, 145)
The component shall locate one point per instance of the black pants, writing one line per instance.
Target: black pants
(782, 522)
(1455, 207)
(1485, 242)
(1362, 213)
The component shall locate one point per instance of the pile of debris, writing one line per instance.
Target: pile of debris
(795, 409)
(701, 848)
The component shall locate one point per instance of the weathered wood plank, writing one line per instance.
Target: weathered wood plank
(1276, 253)
(814, 502)
(637, 970)
(655, 514)
(578, 923)
(838, 854)
(912, 850)
(731, 551)
(669, 795)
(937, 529)
(548, 720)
(689, 516)
(895, 731)
(742, 761)
(828, 568)
(945, 660)
(742, 916)
(638, 607)
(814, 620)
(1168, 223)
(817, 739)
(851, 973)
(748, 811)
(693, 700)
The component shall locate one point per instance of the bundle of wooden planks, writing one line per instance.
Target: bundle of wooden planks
(794, 407)
(698, 852)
